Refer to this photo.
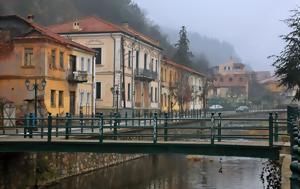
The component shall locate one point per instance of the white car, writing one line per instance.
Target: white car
(216, 107)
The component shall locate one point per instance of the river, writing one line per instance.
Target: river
(172, 172)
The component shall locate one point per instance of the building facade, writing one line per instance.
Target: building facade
(35, 54)
(231, 80)
(181, 87)
(127, 64)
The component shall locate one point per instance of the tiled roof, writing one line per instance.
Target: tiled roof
(94, 24)
(46, 32)
(182, 67)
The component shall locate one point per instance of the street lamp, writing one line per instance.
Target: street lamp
(35, 87)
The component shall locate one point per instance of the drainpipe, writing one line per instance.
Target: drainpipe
(93, 86)
(123, 71)
(132, 77)
(114, 71)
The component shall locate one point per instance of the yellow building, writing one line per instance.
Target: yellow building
(173, 85)
(127, 64)
(35, 54)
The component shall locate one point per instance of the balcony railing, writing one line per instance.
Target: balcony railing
(144, 74)
(78, 76)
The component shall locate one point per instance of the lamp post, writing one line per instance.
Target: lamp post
(35, 87)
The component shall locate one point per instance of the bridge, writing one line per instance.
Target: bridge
(186, 134)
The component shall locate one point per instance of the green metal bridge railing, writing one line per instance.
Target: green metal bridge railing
(293, 129)
(163, 127)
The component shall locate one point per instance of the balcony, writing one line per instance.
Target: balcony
(145, 75)
(78, 77)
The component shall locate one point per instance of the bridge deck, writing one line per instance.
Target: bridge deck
(253, 149)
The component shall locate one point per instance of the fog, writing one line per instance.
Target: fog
(252, 26)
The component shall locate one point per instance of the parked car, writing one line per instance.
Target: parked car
(242, 109)
(216, 107)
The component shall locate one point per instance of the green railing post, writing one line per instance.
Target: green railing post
(110, 120)
(115, 126)
(93, 117)
(295, 164)
(276, 127)
(42, 126)
(220, 127)
(271, 129)
(56, 126)
(212, 129)
(81, 122)
(155, 128)
(26, 125)
(67, 126)
(139, 118)
(49, 127)
(31, 122)
(166, 127)
(101, 125)
(132, 117)
(126, 116)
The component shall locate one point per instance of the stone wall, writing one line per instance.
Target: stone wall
(25, 170)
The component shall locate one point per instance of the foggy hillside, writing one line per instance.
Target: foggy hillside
(215, 51)
(206, 50)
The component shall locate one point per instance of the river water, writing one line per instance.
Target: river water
(172, 172)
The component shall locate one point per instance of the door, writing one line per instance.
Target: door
(9, 114)
(72, 62)
(72, 102)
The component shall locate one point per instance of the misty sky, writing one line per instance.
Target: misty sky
(251, 26)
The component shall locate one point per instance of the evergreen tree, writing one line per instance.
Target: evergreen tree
(183, 54)
(288, 62)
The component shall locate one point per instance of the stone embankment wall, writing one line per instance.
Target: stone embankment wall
(25, 170)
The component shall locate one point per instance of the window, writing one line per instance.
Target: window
(230, 79)
(128, 92)
(241, 79)
(156, 94)
(137, 59)
(61, 59)
(98, 90)
(61, 99)
(88, 98)
(53, 98)
(156, 65)
(151, 94)
(81, 98)
(221, 79)
(162, 74)
(28, 57)
(129, 59)
(165, 74)
(82, 64)
(151, 64)
(98, 56)
(89, 65)
(53, 58)
(145, 61)
(170, 76)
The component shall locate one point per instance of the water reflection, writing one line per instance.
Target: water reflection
(172, 172)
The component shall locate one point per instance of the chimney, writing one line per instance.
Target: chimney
(30, 17)
(76, 26)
